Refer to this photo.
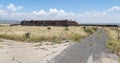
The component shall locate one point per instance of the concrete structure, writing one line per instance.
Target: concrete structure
(49, 23)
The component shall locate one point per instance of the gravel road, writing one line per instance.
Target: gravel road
(90, 50)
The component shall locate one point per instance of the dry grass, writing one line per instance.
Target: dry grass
(113, 43)
(112, 33)
(114, 46)
(43, 33)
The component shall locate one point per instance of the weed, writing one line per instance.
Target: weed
(88, 30)
(114, 46)
(84, 27)
(95, 28)
(49, 28)
(27, 35)
(76, 37)
(66, 28)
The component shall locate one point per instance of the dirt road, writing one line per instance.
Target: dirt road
(90, 50)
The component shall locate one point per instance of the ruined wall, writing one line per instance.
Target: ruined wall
(49, 23)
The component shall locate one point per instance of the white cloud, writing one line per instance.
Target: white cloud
(115, 8)
(41, 12)
(108, 15)
(52, 14)
(53, 10)
(13, 7)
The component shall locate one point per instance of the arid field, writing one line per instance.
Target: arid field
(114, 40)
(44, 43)
(45, 33)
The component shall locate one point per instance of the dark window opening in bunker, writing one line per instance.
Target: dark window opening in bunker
(53, 23)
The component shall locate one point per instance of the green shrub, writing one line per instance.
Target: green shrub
(88, 30)
(76, 37)
(27, 35)
(114, 45)
(84, 27)
(66, 28)
(95, 28)
(49, 28)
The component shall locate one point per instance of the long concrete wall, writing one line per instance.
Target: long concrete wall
(49, 23)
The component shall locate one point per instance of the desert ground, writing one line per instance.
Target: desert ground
(18, 52)
(58, 44)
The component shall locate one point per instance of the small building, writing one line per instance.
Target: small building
(48, 23)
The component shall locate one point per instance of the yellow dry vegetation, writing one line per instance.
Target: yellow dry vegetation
(43, 33)
(112, 32)
(114, 42)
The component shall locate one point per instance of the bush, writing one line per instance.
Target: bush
(49, 28)
(66, 28)
(84, 27)
(27, 35)
(94, 28)
(88, 30)
(114, 46)
(76, 37)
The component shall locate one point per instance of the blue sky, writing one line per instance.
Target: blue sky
(68, 5)
(85, 11)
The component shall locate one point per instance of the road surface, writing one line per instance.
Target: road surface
(90, 50)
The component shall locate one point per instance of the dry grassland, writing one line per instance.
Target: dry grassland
(114, 42)
(44, 33)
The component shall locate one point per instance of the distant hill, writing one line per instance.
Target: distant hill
(9, 22)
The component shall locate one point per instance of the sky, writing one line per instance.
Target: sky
(82, 11)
